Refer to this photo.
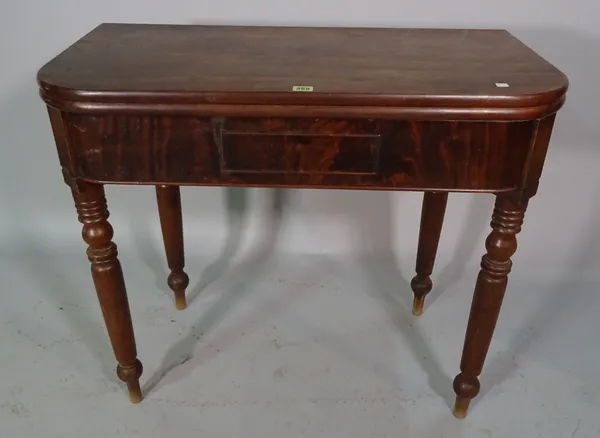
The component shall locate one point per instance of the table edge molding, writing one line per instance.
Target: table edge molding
(535, 110)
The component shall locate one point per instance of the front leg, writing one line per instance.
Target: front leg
(108, 280)
(501, 244)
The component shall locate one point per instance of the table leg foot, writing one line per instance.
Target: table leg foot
(135, 392)
(461, 406)
(180, 301)
(418, 304)
(130, 374)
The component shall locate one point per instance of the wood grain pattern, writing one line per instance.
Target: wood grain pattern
(299, 153)
(108, 280)
(171, 223)
(392, 109)
(413, 155)
(537, 156)
(432, 218)
(501, 244)
(450, 69)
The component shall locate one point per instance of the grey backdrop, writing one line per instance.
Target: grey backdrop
(560, 235)
(544, 356)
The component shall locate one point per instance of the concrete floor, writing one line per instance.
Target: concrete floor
(291, 346)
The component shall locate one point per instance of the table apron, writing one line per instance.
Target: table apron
(299, 152)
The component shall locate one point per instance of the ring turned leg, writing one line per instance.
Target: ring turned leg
(171, 223)
(501, 244)
(432, 218)
(108, 280)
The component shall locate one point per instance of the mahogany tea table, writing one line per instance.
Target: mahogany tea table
(432, 110)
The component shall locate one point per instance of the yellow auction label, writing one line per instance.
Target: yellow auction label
(305, 88)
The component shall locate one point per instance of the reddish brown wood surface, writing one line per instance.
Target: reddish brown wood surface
(171, 223)
(108, 280)
(424, 69)
(392, 109)
(501, 244)
(357, 154)
(432, 218)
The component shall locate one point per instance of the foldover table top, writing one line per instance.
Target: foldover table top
(432, 110)
(446, 68)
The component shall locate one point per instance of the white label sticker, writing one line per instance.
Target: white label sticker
(502, 85)
(303, 88)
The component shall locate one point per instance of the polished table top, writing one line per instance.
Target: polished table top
(435, 110)
(470, 73)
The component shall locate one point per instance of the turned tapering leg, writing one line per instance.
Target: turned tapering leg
(171, 223)
(108, 280)
(432, 218)
(501, 244)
